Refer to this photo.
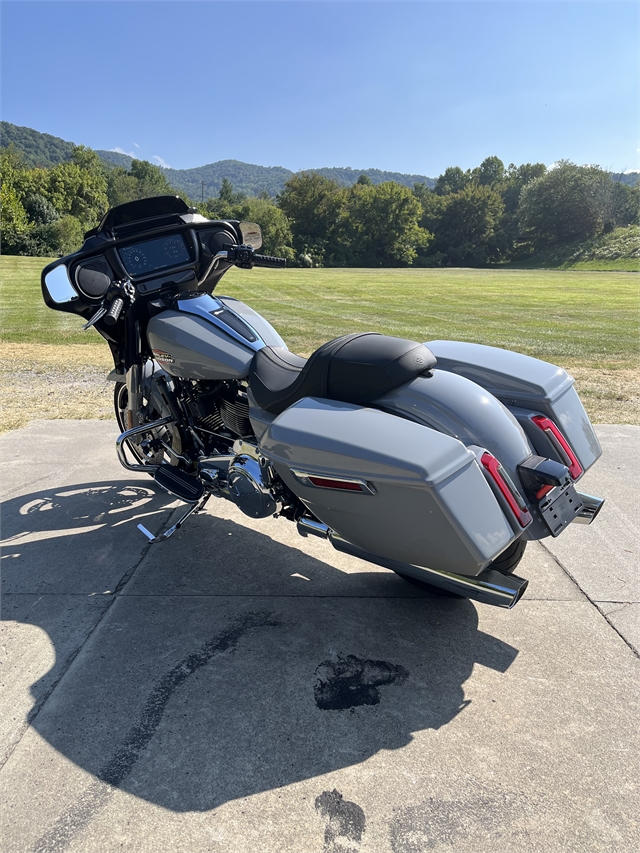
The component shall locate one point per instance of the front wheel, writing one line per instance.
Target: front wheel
(142, 454)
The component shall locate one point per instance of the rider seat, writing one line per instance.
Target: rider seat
(355, 368)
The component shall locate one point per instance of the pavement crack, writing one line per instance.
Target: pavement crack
(120, 765)
(589, 599)
(39, 705)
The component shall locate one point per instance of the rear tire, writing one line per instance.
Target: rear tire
(507, 562)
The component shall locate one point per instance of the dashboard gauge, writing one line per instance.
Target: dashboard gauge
(134, 259)
(174, 248)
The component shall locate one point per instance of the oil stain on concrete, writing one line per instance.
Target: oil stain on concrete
(345, 822)
(348, 682)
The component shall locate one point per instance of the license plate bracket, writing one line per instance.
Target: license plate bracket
(559, 508)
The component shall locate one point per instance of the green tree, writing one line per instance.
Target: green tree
(276, 230)
(227, 194)
(452, 180)
(469, 228)
(570, 203)
(151, 179)
(314, 206)
(490, 173)
(13, 217)
(121, 186)
(380, 226)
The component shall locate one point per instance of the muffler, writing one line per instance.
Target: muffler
(591, 506)
(489, 587)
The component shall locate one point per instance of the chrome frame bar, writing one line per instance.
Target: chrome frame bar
(124, 437)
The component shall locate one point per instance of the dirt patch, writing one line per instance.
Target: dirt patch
(49, 381)
(610, 395)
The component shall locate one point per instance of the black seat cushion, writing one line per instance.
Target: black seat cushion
(355, 368)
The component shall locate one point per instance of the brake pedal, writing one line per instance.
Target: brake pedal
(184, 486)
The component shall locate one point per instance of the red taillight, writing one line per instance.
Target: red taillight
(560, 443)
(507, 488)
(326, 483)
(544, 490)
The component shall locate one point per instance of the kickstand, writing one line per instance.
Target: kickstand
(194, 508)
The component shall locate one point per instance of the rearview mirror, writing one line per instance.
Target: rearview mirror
(251, 234)
(59, 285)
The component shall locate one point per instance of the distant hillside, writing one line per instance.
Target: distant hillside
(38, 149)
(42, 149)
(628, 178)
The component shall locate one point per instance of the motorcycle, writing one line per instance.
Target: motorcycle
(439, 461)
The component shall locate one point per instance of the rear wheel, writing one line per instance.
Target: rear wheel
(507, 562)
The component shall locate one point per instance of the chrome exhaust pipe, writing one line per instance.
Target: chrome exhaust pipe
(591, 506)
(312, 527)
(489, 587)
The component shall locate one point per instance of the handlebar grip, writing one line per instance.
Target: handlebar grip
(268, 261)
(111, 317)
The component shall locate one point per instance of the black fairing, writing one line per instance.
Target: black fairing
(356, 368)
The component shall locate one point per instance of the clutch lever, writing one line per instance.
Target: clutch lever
(97, 316)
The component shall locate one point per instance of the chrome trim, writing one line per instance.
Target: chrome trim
(125, 436)
(204, 306)
(242, 447)
(489, 587)
(591, 506)
(312, 527)
(303, 478)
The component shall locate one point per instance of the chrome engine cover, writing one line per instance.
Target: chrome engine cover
(249, 488)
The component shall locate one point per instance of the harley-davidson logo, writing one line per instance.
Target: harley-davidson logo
(163, 357)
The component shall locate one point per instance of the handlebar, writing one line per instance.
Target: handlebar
(268, 261)
(112, 315)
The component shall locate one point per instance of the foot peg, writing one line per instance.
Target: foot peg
(184, 486)
(179, 484)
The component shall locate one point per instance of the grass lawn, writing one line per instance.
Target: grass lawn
(556, 315)
(585, 321)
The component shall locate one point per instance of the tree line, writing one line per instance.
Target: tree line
(486, 215)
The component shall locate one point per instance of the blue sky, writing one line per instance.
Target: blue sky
(403, 86)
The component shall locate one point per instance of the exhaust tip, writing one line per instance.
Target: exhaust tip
(591, 506)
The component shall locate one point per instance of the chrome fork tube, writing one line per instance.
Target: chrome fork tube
(134, 395)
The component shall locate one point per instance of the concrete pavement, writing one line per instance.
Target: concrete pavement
(239, 688)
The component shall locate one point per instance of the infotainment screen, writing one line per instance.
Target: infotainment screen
(152, 255)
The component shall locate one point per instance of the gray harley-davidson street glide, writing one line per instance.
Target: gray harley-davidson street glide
(438, 460)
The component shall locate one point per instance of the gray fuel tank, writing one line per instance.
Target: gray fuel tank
(207, 338)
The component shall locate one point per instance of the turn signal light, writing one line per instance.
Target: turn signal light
(560, 443)
(507, 488)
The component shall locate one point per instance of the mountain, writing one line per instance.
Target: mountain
(38, 149)
(42, 149)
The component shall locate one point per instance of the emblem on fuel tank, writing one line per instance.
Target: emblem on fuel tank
(163, 357)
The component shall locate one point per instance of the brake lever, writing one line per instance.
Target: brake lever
(97, 316)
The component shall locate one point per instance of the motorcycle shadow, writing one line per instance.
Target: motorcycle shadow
(195, 692)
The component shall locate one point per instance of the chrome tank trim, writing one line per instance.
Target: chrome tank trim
(591, 506)
(203, 306)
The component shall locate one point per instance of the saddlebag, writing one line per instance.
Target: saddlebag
(390, 486)
(529, 388)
